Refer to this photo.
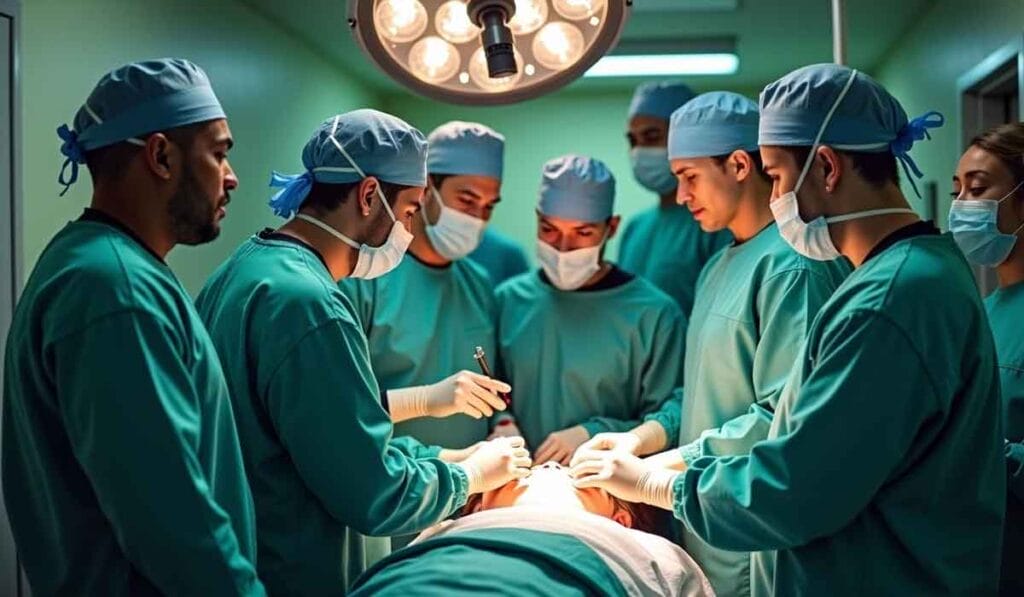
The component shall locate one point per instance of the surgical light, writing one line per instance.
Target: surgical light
(486, 51)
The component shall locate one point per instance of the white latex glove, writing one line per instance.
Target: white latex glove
(455, 455)
(465, 392)
(644, 439)
(625, 476)
(509, 429)
(670, 459)
(560, 445)
(495, 463)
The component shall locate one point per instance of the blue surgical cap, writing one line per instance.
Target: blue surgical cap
(575, 187)
(465, 148)
(349, 147)
(660, 99)
(713, 124)
(867, 119)
(138, 98)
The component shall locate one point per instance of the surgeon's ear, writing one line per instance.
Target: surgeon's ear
(831, 165)
(613, 226)
(366, 194)
(742, 165)
(158, 153)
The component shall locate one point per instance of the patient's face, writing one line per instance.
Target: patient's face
(550, 486)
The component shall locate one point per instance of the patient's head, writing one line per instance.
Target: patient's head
(550, 486)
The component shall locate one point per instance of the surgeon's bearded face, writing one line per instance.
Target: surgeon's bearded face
(550, 486)
(206, 179)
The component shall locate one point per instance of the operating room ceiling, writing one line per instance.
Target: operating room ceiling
(771, 36)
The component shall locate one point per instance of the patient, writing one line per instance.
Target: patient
(538, 536)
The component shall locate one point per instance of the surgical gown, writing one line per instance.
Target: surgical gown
(1006, 314)
(423, 323)
(315, 439)
(667, 246)
(500, 256)
(755, 302)
(597, 358)
(883, 471)
(121, 466)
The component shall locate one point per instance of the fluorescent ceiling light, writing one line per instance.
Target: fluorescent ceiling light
(655, 65)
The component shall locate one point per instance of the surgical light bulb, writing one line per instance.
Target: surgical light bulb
(530, 15)
(578, 9)
(478, 73)
(453, 23)
(400, 21)
(558, 45)
(433, 60)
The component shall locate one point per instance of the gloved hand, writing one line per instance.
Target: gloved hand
(625, 476)
(644, 439)
(465, 392)
(509, 429)
(669, 459)
(458, 455)
(560, 445)
(495, 463)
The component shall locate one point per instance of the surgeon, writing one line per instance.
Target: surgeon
(883, 471)
(587, 346)
(500, 256)
(424, 320)
(755, 302)
(122, 472)
(315, 435)
(663, 243)
(987, 221)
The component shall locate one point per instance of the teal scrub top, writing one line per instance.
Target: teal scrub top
(883, 471)
(423, 323)
(1006, 315)
(500, 256)
(598, 358)
(122, 473)
(755, 303)
(667, 246)
(315, 438)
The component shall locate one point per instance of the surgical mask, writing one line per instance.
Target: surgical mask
(455, 234)
(651, 169)
(812, 239)
(569, 270)
(975, 228)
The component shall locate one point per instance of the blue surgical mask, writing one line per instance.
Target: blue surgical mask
(975, 228)
(652, 170)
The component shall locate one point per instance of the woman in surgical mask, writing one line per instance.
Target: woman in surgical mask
(987, 222)
(587, 346)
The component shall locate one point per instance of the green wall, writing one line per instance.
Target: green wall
(922, 70)
(275, 90)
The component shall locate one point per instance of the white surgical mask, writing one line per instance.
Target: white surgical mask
(455, 234)
(372, 262)
(570, 269)
(652, 170)
(812, 239)
(975, 227)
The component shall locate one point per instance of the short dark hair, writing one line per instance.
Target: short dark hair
(878, 168)
(108, 163)
(755, 156)
(325, 197)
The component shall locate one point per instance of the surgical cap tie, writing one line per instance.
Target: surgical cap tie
(72, 150)
(294, 188)
(913, 131)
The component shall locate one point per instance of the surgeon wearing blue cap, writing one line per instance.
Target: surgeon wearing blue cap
(329, 483)
(755, 301)
(883, 470)
(424, 320)
(587, 346)
(663, 243)
(122, 471)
